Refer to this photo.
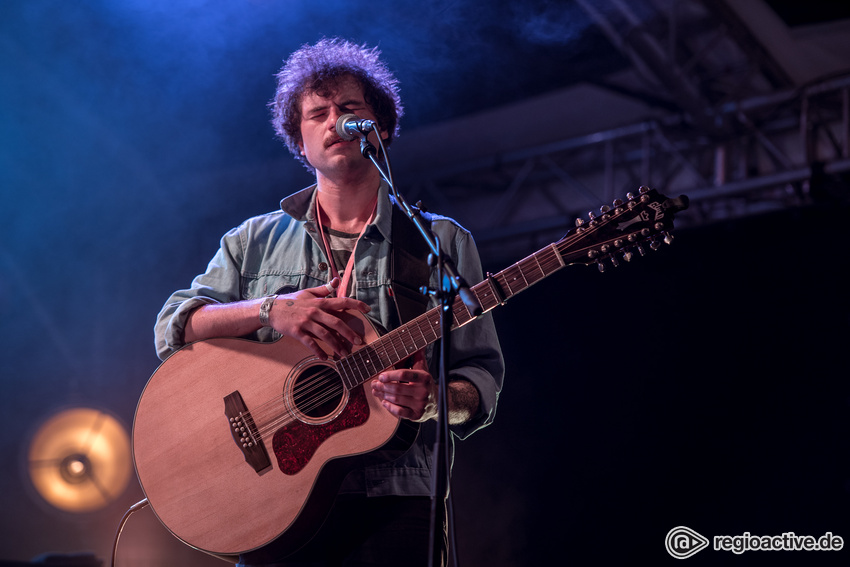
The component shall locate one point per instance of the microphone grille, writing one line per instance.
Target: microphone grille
(340, 127)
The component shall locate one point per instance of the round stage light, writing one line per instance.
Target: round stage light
(79, 460)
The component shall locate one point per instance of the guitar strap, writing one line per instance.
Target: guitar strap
(409, 269)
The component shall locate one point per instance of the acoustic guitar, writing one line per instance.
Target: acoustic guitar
(238, 443)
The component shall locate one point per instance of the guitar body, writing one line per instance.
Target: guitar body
(194, 472)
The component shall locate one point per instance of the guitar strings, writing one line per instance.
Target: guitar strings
(326, 385)
(316, 390)
(321, 387)
(306, 396)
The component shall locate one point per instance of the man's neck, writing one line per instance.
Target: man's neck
(347, 206)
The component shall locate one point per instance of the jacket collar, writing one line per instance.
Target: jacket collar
(301, 206)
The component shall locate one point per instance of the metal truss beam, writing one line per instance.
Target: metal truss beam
(786, 149)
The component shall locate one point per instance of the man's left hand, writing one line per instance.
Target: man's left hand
(410, 393)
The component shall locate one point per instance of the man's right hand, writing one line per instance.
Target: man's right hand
(309, 315)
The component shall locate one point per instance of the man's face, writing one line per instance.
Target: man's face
(320, 143)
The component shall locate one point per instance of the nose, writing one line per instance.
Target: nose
(333, 117)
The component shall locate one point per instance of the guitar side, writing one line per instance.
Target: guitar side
(196, 477)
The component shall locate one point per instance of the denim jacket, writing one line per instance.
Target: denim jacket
(281, 252)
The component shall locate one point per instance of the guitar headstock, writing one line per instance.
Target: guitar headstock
(619, 231)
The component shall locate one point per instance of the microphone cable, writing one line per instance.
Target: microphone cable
(134, 508)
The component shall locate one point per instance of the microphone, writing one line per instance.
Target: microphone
(349, 126)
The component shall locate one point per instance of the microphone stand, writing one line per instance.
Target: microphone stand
(452, 285)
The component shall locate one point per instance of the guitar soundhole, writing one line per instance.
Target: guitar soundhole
(317, 394)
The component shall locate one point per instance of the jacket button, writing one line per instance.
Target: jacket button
(323, 266)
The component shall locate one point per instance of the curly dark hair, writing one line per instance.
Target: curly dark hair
(319, 68)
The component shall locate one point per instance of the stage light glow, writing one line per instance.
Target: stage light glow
(79, 460)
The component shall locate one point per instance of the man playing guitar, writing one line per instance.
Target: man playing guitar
(295, 271)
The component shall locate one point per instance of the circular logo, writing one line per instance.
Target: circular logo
(682, 542)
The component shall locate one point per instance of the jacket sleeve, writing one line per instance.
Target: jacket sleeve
(475, 352)
(220, 283)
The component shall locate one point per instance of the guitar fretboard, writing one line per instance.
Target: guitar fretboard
(415, 335)
(625, 226)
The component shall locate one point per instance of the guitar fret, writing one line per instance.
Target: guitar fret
(460, 314)
(486, 294)
(369, 357)
(418, 336)
(560, 258)
(539, 267)
(343, 373)
(395, 349)
(406, 338)
(551, 263)
(510, 277)
(463, 315)
(492, 292)
(350, 376)
(384, 357)
(557, 261)
(433, 323)
(362, 367)
(522, 273)
(531, 270)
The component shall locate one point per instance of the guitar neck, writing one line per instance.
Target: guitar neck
(611, 237)
(495, 290)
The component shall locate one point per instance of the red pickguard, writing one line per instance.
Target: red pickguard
(296, 443)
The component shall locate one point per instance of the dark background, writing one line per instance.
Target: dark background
(704, 385)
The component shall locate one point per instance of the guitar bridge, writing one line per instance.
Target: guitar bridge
(245, 433)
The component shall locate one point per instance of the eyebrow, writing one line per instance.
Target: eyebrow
(343, 104)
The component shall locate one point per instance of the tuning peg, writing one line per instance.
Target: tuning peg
(600, 266)
(643, 189)
(591, 215)
(604, 209)
(617, 203)
(630, 196)
(615, 262)
(579, 222)
(641, 251)
(668, 238)
(655, 244)
(627, 256)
